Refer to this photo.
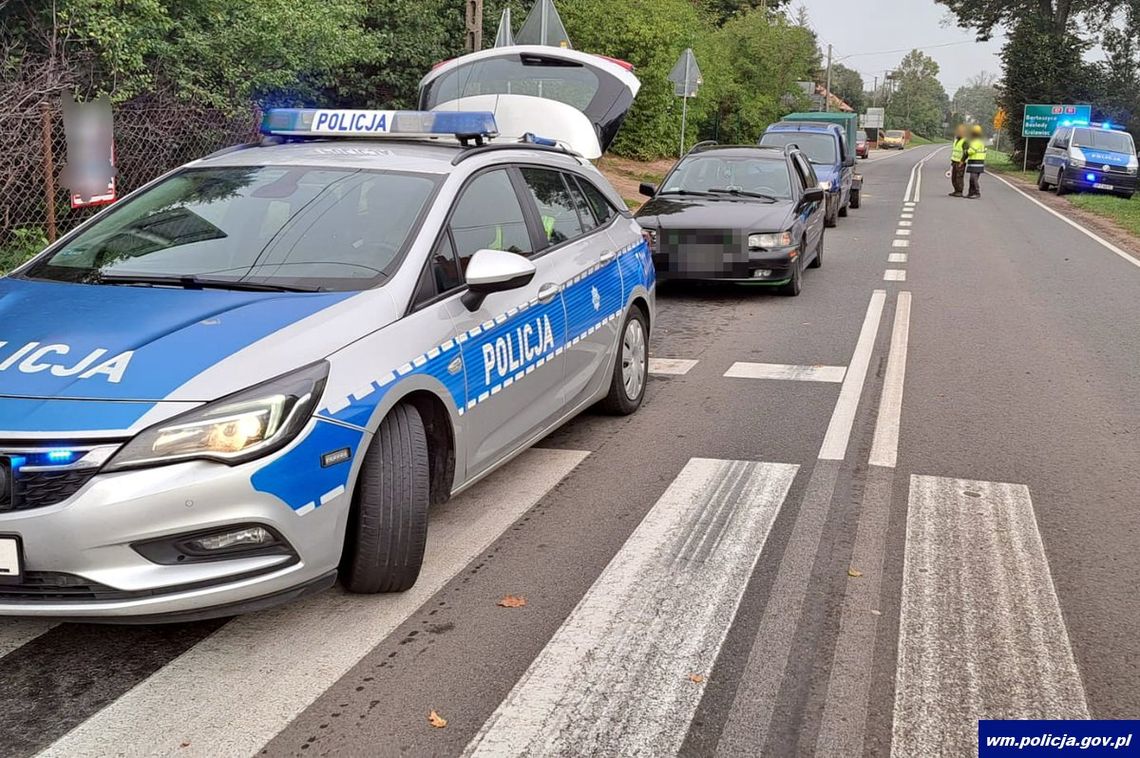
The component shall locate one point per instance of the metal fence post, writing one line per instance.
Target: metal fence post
(49, 171)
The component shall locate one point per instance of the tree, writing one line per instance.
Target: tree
(725, 10)
(976, 101)
(919, 103)
(847, 84)
(983, 16)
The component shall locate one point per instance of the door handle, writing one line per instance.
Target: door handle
(548, 292)
(607, 256)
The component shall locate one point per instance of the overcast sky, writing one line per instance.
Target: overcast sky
(854, 29)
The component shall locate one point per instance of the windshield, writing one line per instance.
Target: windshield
(707, 172)
(861, 136)
(819, 148)
(896, 134)
(1114, 142)
(292, 227)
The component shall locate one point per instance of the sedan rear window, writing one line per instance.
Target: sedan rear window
(292, 227)
(819, 148)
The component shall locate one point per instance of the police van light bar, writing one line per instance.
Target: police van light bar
(320, 122)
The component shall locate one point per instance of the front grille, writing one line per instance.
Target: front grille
(41, 488)
(48, 586)
(701, 252)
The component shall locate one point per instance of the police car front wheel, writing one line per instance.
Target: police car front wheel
(631, 369)
(384, 546)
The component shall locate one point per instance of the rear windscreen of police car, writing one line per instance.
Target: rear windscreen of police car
(294, 227)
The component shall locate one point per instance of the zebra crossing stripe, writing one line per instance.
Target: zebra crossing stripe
(650, 628)
(981, 635)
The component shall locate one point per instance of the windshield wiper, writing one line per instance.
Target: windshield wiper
(698, 193)
(745, 193)
(192, 282)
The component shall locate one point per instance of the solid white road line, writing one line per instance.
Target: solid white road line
(981, 635)
(750, 717)
(235, 690)
(843, 417)
(625, 673)
(670, 366)
(901, 243)
(15, 633)
(885, 446)
(742, 370)
(896, 258)
(910, 187)
(918, 179)
(894, 275)
(1088, 233)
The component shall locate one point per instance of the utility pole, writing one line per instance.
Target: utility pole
(827, 95)
(474, 25)
(875, 93)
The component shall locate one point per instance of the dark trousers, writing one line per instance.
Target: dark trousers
(958, 176)
(975, 178)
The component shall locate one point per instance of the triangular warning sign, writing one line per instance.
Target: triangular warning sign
(543, 26)
(505, 37)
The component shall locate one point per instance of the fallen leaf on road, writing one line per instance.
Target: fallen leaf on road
(439, 722)
(876, 613)
(512, 601)
(696, 678)
(854, 573)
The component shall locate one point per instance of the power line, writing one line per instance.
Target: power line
(908, 49)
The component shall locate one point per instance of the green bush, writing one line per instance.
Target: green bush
(20, 245)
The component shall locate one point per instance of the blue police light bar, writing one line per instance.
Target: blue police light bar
(339, 122)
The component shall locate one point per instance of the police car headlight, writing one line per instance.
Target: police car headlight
(1132, 170)
(769, 241)
(825, 185)
(1076, 162)
(235, 429)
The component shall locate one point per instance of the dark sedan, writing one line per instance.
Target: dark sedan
(746, 214)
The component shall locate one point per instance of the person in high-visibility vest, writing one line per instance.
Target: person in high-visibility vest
(958, 161)
(975, 160)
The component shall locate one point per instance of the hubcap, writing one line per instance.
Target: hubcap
(633, 359)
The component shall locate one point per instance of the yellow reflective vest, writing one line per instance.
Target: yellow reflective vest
(958, 151)
(976, 156)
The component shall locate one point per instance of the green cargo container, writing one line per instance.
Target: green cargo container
(849, 121)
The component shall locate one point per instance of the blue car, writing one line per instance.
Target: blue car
(832, 158)
(1090, 157)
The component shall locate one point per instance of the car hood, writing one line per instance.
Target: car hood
(123, 343)
(680, 212)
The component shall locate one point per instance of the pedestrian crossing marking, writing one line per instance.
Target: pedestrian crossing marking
(659, 612)
(742, 370)
(15, 633)
(981, 635)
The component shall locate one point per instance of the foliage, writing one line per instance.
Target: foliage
(847, 84)
(21, 245)
(919, 103)
(976, 101)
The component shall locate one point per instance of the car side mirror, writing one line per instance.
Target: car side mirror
(495, 271)
(849, 161)
(647, 189)
(812, 195)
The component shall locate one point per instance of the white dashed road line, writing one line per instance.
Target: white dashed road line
(894, 275)
(901, 243)
(625, 673)
(896, 258)
(671, 366)
(981, 635)
(743, 370)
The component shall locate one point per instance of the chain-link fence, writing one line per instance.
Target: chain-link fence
(35, 209)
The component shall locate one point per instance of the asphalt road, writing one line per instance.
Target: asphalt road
(848, 523)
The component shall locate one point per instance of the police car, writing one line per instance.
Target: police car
(1089, 157)
(253, 376)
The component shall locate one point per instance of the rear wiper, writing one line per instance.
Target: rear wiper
(191, 282)
(744, 193)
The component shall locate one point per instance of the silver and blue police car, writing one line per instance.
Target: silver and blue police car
(254, 375)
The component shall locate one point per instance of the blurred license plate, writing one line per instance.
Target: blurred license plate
(1098, 185)
(9, 560)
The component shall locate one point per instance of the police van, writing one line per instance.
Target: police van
(253, 376)
(1089, 157)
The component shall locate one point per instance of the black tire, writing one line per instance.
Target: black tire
(855, 199)
(1125, 195)
(817, 261)
(1059, 188)
(1041, 183)
(384, 546)
(831, 218)
(627, 391)
(793, 287)
(843, 211)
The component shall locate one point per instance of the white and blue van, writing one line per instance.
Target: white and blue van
(1089, 157)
